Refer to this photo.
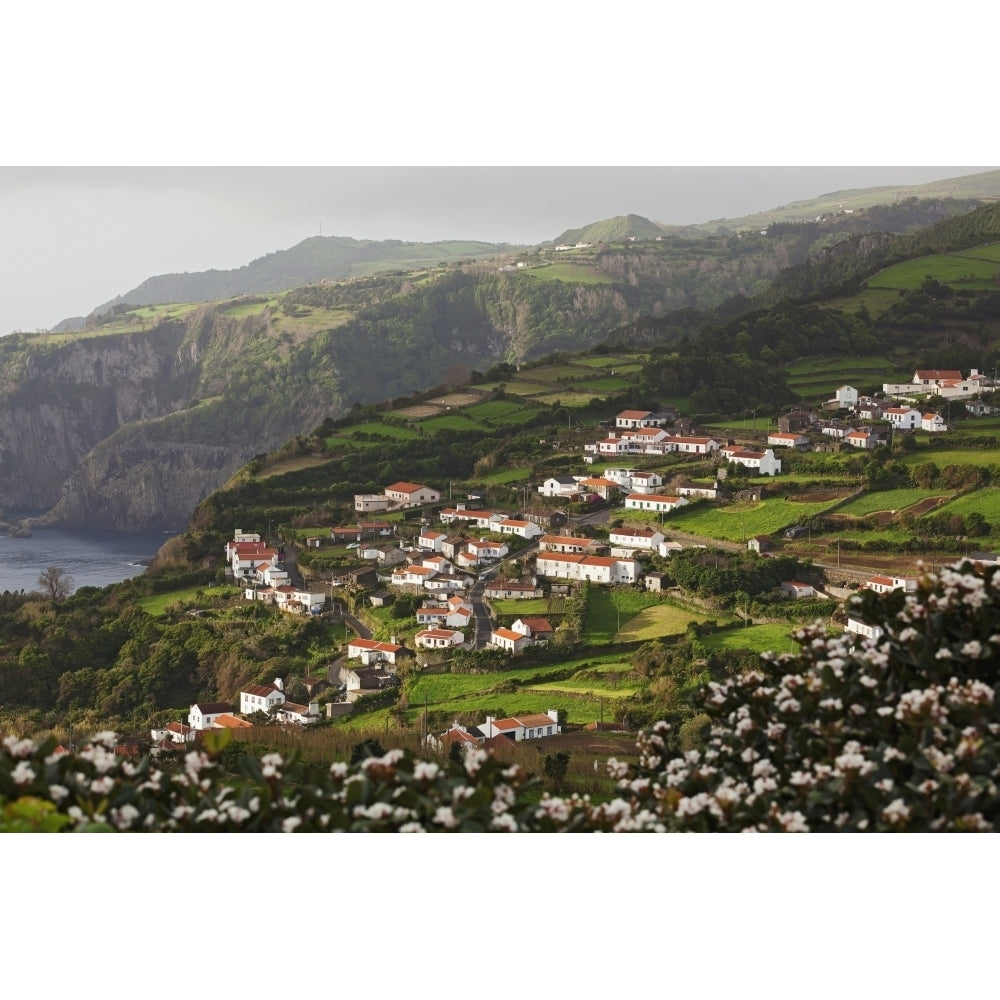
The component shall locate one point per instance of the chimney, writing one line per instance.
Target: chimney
(279, 684)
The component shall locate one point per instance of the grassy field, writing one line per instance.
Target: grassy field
(985, 501)
(377, 428)
(535, 606)
(450, 422)
(740, 521)
(157, 604)
(608, 611)
(575, 273)
(872, 503)
(971, 269)
(759, 638)
(666, 618)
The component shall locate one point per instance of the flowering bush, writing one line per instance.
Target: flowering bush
(897, 733)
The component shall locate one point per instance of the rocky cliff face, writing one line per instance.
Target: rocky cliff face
(116, 431)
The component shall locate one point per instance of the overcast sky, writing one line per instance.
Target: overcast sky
(72, 238)
(493, 88)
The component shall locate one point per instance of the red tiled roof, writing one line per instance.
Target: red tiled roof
(405, 488)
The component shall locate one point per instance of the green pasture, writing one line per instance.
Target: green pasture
(609, 610)
(740, 521)
(617, 363)
(950, 269)
(157, 604)
(989, 252)
(600, 386)
(591, 688)
(873, 503)
(535, 606)
(576, 397)
(666, 618)
(576, 273)
(450, 422)
(554, 373)
(239, 308)
(505, 476)
(493, 410)
(943, 457)
(985, 501)
(774, 638)
(378, 428)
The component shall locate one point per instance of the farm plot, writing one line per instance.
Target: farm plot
(450, 422)
(740, 521)
(759, 638)
(667, 618)
(952, 269)
(886, 500)
(985, 501)
(419, 411)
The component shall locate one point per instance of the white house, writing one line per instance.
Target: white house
(858, 627)
(933, 422)
(635, 538)
(847, 397)
(862, 439)
(366, 503)
(523, 529)
(787, 439)
(485, 520)
(438, 638)
(762, 462)
(658, 503)
(577, 544)
(431, 539)
(630, 419)
(884, 584)
(539, 630)
(522, 727)
(559, 486)
(795, 589)
(371, 651)
(262, 697)
(204, 714)
(598, 569)
(411, 576)
(509, 640)
(411, 494)
(902, 417)
(299, 715)
(692, 445)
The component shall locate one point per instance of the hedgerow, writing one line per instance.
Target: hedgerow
(896, 733)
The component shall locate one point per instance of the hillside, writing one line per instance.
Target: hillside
(319, 258)
(130, 422)
(970, 189)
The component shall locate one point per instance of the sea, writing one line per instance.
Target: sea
(91, 558)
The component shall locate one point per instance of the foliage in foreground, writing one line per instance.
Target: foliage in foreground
(899, 733)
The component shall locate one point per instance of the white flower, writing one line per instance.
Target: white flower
(338, 769)
(19, 748)
(445, 817)
(505, 822)
(58, 792)
(412, 828)
(896, 812)
(973, 649)
(425, 770)
(289, 823)
(23, 774)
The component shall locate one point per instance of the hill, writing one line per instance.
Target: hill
(319, 258)
(621, 227)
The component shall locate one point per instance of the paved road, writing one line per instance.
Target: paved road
(484, 624)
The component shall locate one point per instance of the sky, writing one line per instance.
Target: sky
(72, 238)
(135, 147)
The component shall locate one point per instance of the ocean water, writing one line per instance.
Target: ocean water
(91, 558)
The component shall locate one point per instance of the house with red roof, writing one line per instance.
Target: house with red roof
(262, 697)
(438, 638)
(411, 494)
(509, 640)
(531, 726)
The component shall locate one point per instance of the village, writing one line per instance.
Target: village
(451, 564)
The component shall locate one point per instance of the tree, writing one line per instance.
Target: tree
(56, 583)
